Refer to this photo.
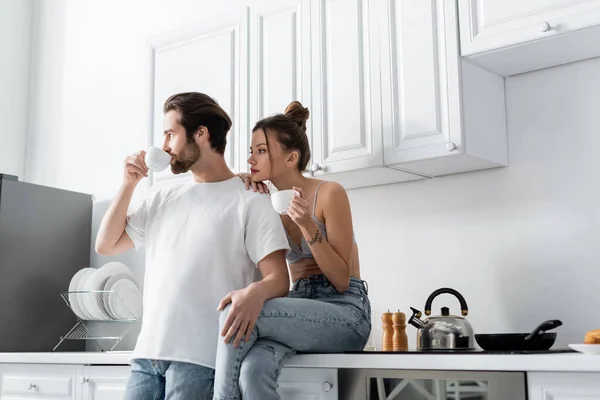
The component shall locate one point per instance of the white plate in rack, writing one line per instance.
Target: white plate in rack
(127, 301)
(587, 349)
(108, 287)
(94, 304)
(74, 298)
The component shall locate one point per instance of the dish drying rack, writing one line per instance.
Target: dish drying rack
(96, 329)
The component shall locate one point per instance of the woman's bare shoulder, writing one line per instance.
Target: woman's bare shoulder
(332, 189)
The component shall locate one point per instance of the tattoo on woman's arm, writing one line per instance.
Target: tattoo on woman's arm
(318, 238)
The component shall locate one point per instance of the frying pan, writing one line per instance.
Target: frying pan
(539, 339)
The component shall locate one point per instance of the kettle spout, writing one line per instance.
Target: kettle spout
(415, 319)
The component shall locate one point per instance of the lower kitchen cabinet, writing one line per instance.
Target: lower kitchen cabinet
(104, 382)
(78, 382)
(308, 384)
(563, 386)
(34, 381)
(108, 383)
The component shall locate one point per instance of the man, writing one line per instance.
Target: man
(203, 240)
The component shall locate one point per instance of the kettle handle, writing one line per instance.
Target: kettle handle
(461, 299)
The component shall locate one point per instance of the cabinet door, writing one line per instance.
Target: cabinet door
(492, 24)
(308, 384)
(420, 79)
(104, 383)
(345, 118)
(209, 57)
(57, 382)
(563, 386)
(279, 60)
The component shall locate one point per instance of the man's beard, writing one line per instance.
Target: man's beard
(182, 163)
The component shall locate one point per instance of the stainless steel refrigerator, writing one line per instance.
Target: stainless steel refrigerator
(45, 237)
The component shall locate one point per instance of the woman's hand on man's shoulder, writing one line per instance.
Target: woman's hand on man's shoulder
(260, 187)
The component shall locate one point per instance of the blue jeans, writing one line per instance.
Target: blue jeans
(314, 317)
(158, 380)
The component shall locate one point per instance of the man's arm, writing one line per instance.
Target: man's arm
(112, 238)
(275, 276)
(247, 303)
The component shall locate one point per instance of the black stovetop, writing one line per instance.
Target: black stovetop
(449, 352)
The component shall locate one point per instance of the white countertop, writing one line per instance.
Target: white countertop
(413, 361)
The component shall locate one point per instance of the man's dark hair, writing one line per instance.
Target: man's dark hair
(198, 109)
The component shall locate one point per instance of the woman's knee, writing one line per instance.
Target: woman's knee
(223, 315)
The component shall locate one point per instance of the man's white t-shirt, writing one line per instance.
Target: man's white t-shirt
(202, 240)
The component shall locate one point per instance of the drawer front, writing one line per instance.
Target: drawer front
(60, 387)
(37, 382)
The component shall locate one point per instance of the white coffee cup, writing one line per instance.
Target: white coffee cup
(157, 159)
(281, 200)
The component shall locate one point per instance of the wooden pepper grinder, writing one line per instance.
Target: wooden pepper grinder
(399, 338)
(388, 332)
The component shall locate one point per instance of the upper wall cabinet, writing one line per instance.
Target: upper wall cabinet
(440, 116)
(211, 57)
(345, 117)
(324, 53)
(392, 100)
(279, 61)
(514, 36)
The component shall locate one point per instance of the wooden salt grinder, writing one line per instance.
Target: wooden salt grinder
(388, 332)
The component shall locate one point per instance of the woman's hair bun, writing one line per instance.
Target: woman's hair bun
(298, 113)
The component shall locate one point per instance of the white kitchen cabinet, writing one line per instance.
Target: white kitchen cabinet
(440, 115)
(56, 382)
(324, 54)
(104, 383)
(563, 386)
(108, 382)
(210, 57)
(279, 61)
(308, 384)
(346, 125)
(515, 36)
(392, 100)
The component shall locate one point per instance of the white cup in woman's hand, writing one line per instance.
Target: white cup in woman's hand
(157, 159)
(282, 199)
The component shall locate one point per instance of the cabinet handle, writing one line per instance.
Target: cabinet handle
(451, 146)
(314, 168)
(84, 380)
(327, 386)
(32, 386)
(545, 27)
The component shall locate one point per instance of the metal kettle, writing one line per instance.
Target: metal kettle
(446, 331)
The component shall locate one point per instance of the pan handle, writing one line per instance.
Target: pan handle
(461, 299)
(543, 327)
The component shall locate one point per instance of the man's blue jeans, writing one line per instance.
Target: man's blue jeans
(169, 380)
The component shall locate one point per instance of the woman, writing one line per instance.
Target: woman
(327, 309)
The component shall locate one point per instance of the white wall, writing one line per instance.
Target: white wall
(519, 243)
(90, 105)
(15, 46)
